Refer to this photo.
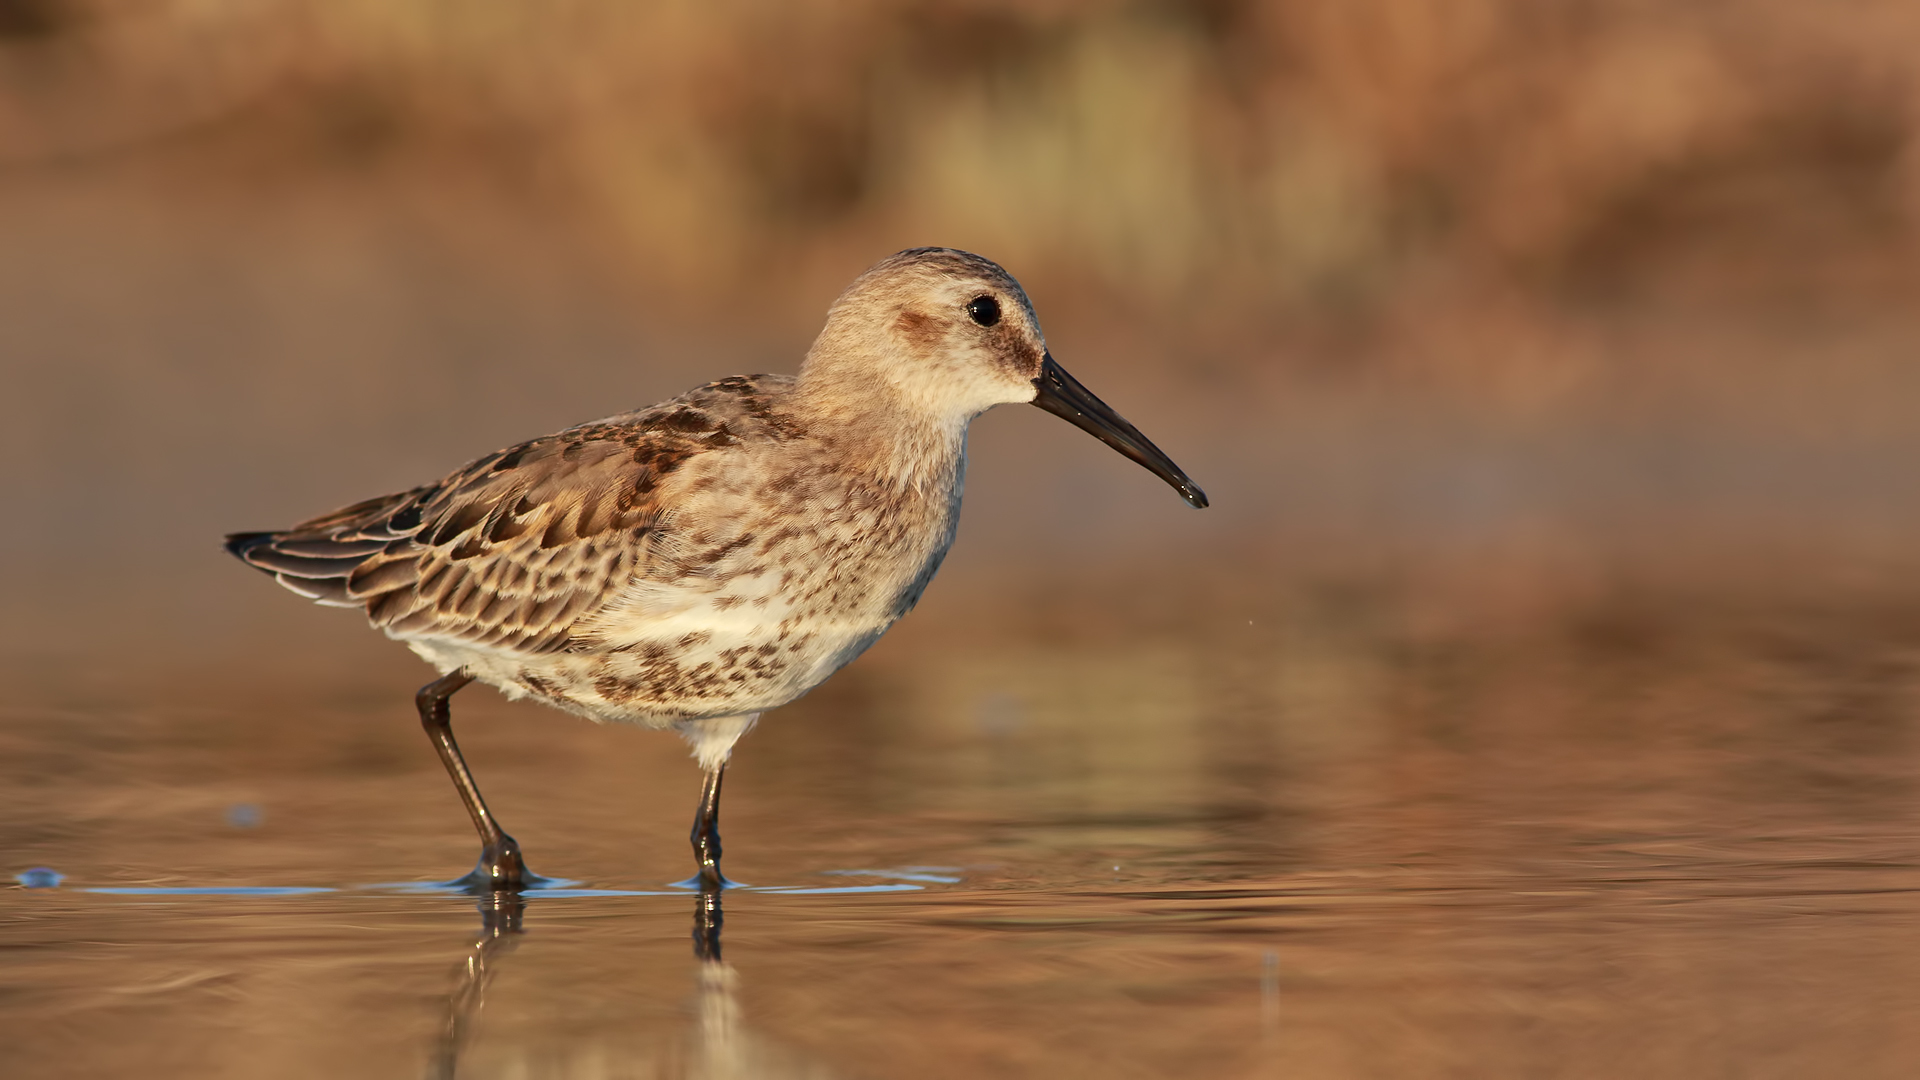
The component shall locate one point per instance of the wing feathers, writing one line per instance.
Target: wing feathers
(515, 548)
(376, 576)
(331, 549)
(274, 557)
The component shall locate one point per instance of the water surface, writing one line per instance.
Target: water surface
(1330, 835)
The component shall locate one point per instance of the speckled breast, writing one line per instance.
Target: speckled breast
(754, 594)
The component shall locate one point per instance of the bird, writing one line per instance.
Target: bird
(691, 565)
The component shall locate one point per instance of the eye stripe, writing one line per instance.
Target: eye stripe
(984, 310)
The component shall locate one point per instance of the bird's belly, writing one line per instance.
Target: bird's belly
(723, 668)
(696, 664)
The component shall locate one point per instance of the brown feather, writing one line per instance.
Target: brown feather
(508, 549)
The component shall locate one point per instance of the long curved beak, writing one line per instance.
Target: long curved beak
(1062, 395)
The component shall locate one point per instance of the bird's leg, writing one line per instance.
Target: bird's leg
(706, 831)
(500, 868)
(712, 739)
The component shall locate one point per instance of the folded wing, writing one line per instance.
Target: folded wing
(515, 549)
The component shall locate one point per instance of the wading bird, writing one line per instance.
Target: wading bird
(693, 564)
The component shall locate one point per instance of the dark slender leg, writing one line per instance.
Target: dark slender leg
(500, 867)
(706, 832)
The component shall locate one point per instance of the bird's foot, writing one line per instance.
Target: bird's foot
(500, 869)
(706, 855)
(708, 880)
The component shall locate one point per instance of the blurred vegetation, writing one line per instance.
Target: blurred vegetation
(1331, 157)
(1511, 290)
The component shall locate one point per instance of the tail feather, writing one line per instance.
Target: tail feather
(238, 544)
(316, 558)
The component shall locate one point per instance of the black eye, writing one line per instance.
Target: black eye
(984, 309)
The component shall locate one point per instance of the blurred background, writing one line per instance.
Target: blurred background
(1517, 290)
(1551, 365)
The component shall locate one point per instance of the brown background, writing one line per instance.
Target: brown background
(1538, 689)
(1533, 287)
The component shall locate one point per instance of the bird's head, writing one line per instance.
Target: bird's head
(949, 334)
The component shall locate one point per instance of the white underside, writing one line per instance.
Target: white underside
(831, 647)
(712, 740)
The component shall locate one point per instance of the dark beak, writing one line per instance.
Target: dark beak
(1062, 395)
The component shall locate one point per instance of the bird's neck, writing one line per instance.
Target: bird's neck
(880, 431)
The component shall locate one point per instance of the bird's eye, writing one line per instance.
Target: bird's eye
(985, 310)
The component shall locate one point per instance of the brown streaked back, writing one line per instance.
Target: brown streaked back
(514, 549)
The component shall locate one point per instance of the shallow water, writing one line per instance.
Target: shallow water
(1651, 837)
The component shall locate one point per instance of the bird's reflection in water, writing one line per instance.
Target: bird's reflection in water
(718, 1048)
(500, 926)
